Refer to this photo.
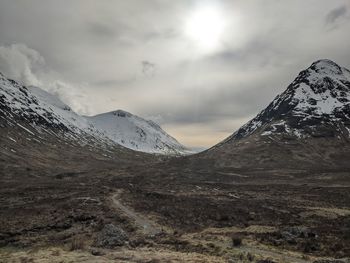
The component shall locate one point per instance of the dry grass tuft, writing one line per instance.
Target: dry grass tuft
(77, 243)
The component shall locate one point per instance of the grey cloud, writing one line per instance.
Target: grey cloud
(227, 102)
(167, 33)
(27, 66)
(148, 68)
(336, 14)
(115, 83)
(72, 95)
(256, 53)
(101, 30)
(19, 62)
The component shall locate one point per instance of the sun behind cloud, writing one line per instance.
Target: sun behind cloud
(205, 26)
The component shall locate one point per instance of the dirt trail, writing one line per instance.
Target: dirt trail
(148, 227)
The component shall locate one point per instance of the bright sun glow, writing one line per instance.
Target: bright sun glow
(206, 27)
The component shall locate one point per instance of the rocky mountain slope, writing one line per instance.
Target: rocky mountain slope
(41, 135)
(306, 124)
(44, 112)
(317, 104)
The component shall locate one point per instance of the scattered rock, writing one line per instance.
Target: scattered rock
(295, 235)
(96, 252)
(111, 236)
(297, 232)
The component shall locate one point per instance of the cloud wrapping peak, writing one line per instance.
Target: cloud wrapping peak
(73, 96)
(20, 62)
(28, 67)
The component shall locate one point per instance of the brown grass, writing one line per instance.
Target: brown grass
(78, 243)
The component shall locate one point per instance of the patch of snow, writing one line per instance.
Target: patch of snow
(325, 103)
(24, 128)
(348, 129)
(11, 139)
(266, 133)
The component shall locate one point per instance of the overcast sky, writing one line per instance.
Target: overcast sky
(199, 68)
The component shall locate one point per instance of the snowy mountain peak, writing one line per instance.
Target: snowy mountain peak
(316, 103)
(121, 113)
(326, 66)
(136, 133)
(322, 88)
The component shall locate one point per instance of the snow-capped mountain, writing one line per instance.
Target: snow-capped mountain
(306, 126)
(41, 110)
(135, 133)
(316, 103)
(44, 112)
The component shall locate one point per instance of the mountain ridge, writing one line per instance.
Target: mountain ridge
(40, 108)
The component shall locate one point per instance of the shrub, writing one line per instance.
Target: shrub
(236, 241)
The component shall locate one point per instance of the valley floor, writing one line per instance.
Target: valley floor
(174, 213)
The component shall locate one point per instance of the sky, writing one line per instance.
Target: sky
(199, 68)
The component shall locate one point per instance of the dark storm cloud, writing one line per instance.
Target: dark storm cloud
(91, 52)
(336, 14)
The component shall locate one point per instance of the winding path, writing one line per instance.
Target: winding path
(148, 227)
